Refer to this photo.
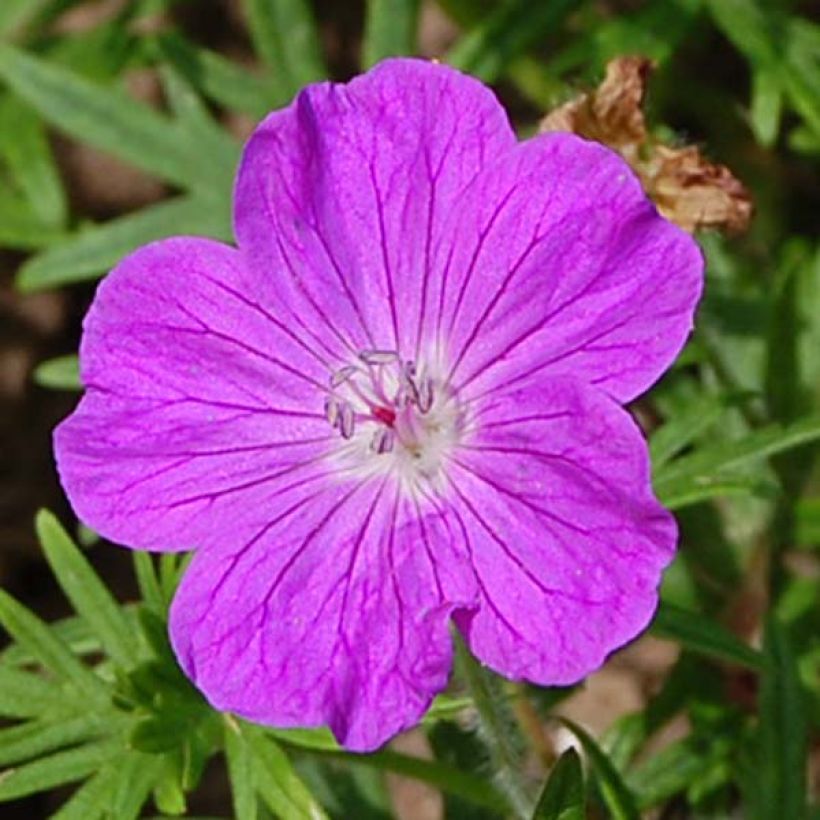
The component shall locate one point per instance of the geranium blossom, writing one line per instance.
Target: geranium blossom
(395, 406)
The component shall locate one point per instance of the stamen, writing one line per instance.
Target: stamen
(343, 375)
(347, 421)
(332, 411)
(425, 395)
(382, 441)
(378, 356)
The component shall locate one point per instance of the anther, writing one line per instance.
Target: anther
(343, 375)
(382, 441)
(378, 356)
(347, 421)
(332, 411)
(425, 395)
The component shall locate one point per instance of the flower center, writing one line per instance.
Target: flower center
(395, 415)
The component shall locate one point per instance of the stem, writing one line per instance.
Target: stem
(497, 729)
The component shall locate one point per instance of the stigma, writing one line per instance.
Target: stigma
(393, 416)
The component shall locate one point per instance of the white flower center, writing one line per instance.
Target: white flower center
(394, 417)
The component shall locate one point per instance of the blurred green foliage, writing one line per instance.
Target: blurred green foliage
(97, 699)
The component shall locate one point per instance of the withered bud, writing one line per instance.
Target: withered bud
(687, 189)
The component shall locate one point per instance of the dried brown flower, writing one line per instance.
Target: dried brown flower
(687, 188)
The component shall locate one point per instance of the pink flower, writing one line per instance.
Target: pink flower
(395, 406)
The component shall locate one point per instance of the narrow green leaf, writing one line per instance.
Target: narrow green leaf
(24, 694)
(683, 428)
(20, 228)
(137, 774)
(27, 152)
(240, 771)
(746, 25)
(390, 29)
(702, 635)
(563, 794)
(54, 770)
(35, 738)
(284, 33)
(92, 800)
(62, 373)
(215, 148)
(148, 581)
(673, 769)
(279, 786)
(96, 250)
(782, 733)
(617, 796)
(103, 117)
(15, 15)
(35, 636)
(87, 593)
(767, 105)
(510, 30)
(712, 464)
(219, 79)
(476, 790)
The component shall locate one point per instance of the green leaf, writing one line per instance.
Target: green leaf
(137, 774)
(510, 30)
(27, 152)
(148, 581)
(57, 769)
(447, 778)
(617, 796)
(19, 226)
(563, 794)
(767, 105)
(96, 250)
(240, 771)
(103, 117)
(221, 80)
(279, 786)
(746, 25)
(62, 373)
(35, 636)
(35, 738)
(15, 15)
(284, 33)
(674, 768)
(782, 733)
(683, 428)
(702, 635)
(24, 694)
(390, 29)
(703, 471)
(87, 593)
(215, 148)
(92, 800)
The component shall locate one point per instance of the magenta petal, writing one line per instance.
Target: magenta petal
(197, 400)
(344, 195)
(559, 264)
(567, 541)
(334, 613)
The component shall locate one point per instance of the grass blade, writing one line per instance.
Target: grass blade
(57, 769)
(390, 29)
(284, 34)
(93, 252)
(782, 733)
(36, 637)
(61, 373)
(240, 771)
(616, 794)
(563, 795)
(87, 593)
(509, 31)
(698, 633)
(103, 117)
